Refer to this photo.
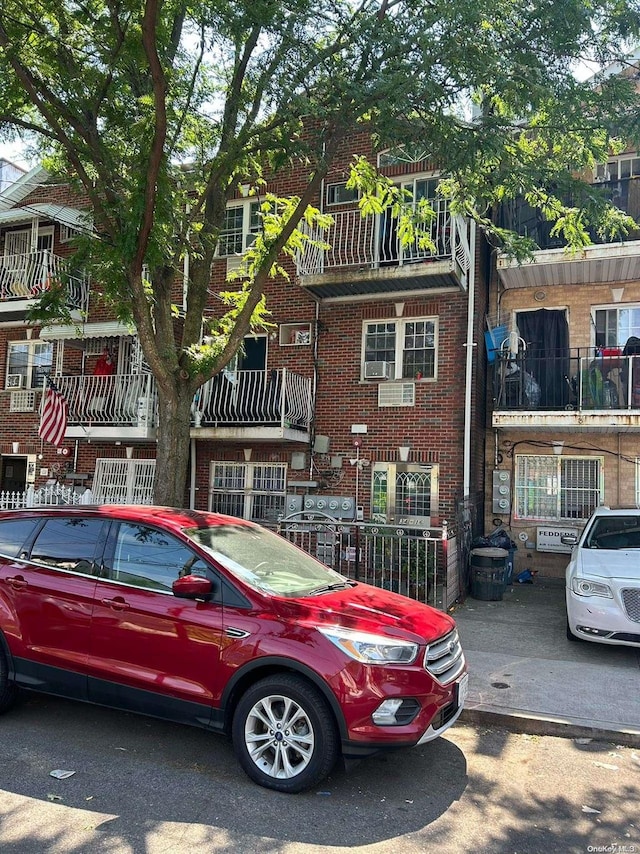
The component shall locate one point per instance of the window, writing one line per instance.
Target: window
(614, 326)
(407, 346)
(249, 490)
(13, 534)
(69, 544)
(405, 494)
(618, 168)
(28, 363)
(557, 487)
(338, 194)
(241, 223)
(410, 153)
(152, 559)
(119, 481)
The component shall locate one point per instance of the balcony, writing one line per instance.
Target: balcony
(121, 406)
(554, 265)
(254, 405)
(257, 405)
(24, 278)
(365, 256)
(574, 390)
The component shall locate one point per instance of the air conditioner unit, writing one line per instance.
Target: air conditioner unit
(604, 176)
(15, 380)
(377, 370)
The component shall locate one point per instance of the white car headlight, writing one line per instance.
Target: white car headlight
(585, 587)
(371, 649)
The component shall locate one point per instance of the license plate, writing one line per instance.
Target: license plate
(463, 690)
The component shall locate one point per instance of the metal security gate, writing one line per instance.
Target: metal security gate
(411, 561)
(126, 481)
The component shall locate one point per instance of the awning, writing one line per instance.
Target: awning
(72, 217)
(105, 329)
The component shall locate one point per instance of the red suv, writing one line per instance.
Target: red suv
(214, 621)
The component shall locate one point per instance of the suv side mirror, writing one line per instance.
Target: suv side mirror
(568, 539)
(192, 587)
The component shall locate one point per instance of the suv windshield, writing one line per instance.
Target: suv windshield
(614, 532)
(266, 561)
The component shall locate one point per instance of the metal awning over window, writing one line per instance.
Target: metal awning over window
(106, 329)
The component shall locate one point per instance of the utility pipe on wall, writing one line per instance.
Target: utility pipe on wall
(470, 345)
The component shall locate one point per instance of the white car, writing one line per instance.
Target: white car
(603, 579)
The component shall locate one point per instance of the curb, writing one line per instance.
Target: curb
(546, 725)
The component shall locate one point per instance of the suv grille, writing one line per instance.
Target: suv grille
(444, 658)
(631, 601)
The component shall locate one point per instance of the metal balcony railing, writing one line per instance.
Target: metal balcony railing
(117, 400)
(373, 242)
(519, 216)
(573, 380)
(29, 275)
(270, 398)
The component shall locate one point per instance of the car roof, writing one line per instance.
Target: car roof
(616, 511)
(170, 517)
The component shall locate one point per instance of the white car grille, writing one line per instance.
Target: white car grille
(444, 658)
(631, 602)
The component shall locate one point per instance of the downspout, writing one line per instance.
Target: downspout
(192, 485)
(470, 345)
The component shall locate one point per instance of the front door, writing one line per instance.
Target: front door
(13, 477)
(161, 652)
(404, 493)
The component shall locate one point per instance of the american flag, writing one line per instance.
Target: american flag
(53, 419)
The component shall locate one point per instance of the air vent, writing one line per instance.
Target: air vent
(22, 401)
(396, 394)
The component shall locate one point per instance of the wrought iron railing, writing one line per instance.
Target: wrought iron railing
(29, 275)
(272, 398)
(573, 380)
(373, 242)
(406, 560)
(120, 399)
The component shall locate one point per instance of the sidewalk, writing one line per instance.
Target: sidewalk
(525, 674)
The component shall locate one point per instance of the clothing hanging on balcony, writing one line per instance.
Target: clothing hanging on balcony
(105, 365)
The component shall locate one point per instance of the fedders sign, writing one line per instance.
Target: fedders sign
(549, 538)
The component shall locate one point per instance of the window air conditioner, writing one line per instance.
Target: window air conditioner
(14, 380)
(377, 370)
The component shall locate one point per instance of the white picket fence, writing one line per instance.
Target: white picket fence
(55, 494)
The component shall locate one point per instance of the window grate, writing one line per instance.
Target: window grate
(554, 488)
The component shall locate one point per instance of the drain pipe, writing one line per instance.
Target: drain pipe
(470, 345)
(192, 485)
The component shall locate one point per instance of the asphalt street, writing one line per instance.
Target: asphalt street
(143, 787)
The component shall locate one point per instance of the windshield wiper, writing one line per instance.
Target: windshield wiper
(327, 588)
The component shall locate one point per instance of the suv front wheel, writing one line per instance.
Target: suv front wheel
(284, 734)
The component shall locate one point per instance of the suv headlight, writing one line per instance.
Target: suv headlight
(370, 649)
(585, 587)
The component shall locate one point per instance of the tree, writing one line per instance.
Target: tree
(159, 110)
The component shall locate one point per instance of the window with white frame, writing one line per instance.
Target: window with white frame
(616, 324)
(619, 168)
(28, 363)
(338, 194)
(555, 488)
(407, 347)
(254, 491)
(241, 223)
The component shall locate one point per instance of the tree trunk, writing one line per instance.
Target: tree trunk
(172, 453)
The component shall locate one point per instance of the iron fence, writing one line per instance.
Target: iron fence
(407, 560)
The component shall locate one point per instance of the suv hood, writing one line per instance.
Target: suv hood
(370, 609)
(605, 563)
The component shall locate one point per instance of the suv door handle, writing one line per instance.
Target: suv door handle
(17, 582)
(117, 604)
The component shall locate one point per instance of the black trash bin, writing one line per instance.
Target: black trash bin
(488, 573)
